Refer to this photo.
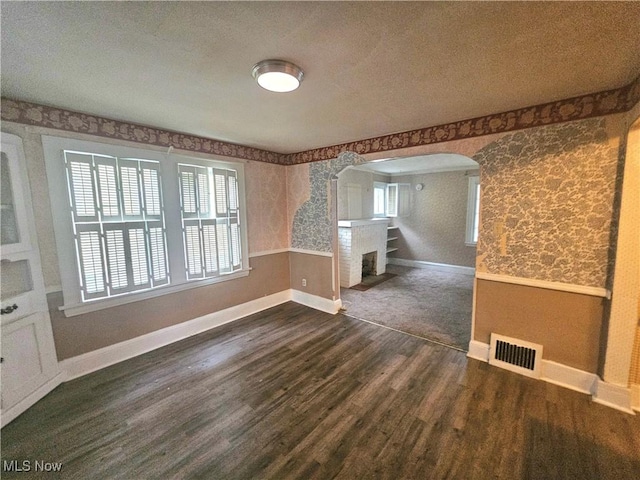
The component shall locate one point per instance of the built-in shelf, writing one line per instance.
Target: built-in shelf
(393, 230)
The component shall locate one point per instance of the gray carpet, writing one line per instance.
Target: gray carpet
(432, 303)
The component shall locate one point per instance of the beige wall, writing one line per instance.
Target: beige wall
(84, 333)
(566, 324)
(316, 269)
(365, 181)
(435, 229)
(267, 218)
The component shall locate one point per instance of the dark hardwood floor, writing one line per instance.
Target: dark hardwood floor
(292, 393)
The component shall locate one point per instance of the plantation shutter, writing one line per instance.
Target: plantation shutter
(117, 210)
(210, 217)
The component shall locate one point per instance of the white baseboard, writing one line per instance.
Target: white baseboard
(9, 415)
(90, 362)
(614, 396)
(80, 365)
(479, 351)
(635, 397)
(568, 377)
(420, 264)
(313, 301)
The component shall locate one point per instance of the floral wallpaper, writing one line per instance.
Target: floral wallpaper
(546, 208)
(311, 229)
(266, 195)
(547, 203)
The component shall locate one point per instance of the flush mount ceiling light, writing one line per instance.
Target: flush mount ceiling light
(277, 75)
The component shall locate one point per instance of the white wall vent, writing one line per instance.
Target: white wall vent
(516, 355)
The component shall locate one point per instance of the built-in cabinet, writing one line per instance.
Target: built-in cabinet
(29, 366)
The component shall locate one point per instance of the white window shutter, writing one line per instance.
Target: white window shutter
(107, 175)
(151, 189)
(90, 254)
(210, 247)
(158, 251)
(116, 259)
(81, 187)
(220, 182)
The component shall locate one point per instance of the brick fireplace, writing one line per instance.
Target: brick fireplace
(358, 238)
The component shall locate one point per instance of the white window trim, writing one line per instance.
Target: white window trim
(474, 181)
(56, 177)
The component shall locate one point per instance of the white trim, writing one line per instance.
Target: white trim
(568, 377)
(478, 351)
(30, 400)
(473, 308)
(311, 252)
(422, 264)
(532, 282)
(318, 303)
(614, 396)
(81, 308)
(604, 393)
(635, 397)
(473, 204)
(90, 362)
(268, 252)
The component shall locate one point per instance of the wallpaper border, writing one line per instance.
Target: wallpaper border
(60, 119)
(607, 102)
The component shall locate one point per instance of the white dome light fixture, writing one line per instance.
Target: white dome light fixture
(277, 75)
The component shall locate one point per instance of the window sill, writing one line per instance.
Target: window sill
(471, 244)
(93, 306)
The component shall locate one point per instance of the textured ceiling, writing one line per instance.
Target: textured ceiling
(371, 68)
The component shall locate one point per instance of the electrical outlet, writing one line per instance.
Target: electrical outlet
(304, 282)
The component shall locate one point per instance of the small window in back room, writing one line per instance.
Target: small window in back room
(379, 199)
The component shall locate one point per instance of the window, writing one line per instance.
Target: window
(210, 220)
(379, 199)
(390, 199)
(473, 211)
(118, 223)
(132, 223)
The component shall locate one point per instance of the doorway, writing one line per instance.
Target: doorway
(430, 206)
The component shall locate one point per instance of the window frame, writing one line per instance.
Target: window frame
(168, 167)
(472, 232)
(380, 186)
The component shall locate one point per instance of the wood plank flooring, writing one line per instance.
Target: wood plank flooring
(292, 393)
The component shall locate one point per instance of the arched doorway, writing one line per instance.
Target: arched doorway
(431, 206)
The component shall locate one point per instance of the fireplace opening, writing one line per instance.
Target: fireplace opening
(369, 262)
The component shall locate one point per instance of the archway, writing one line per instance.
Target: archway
(431, 205)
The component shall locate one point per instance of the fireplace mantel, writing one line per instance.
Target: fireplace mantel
(362, 222)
